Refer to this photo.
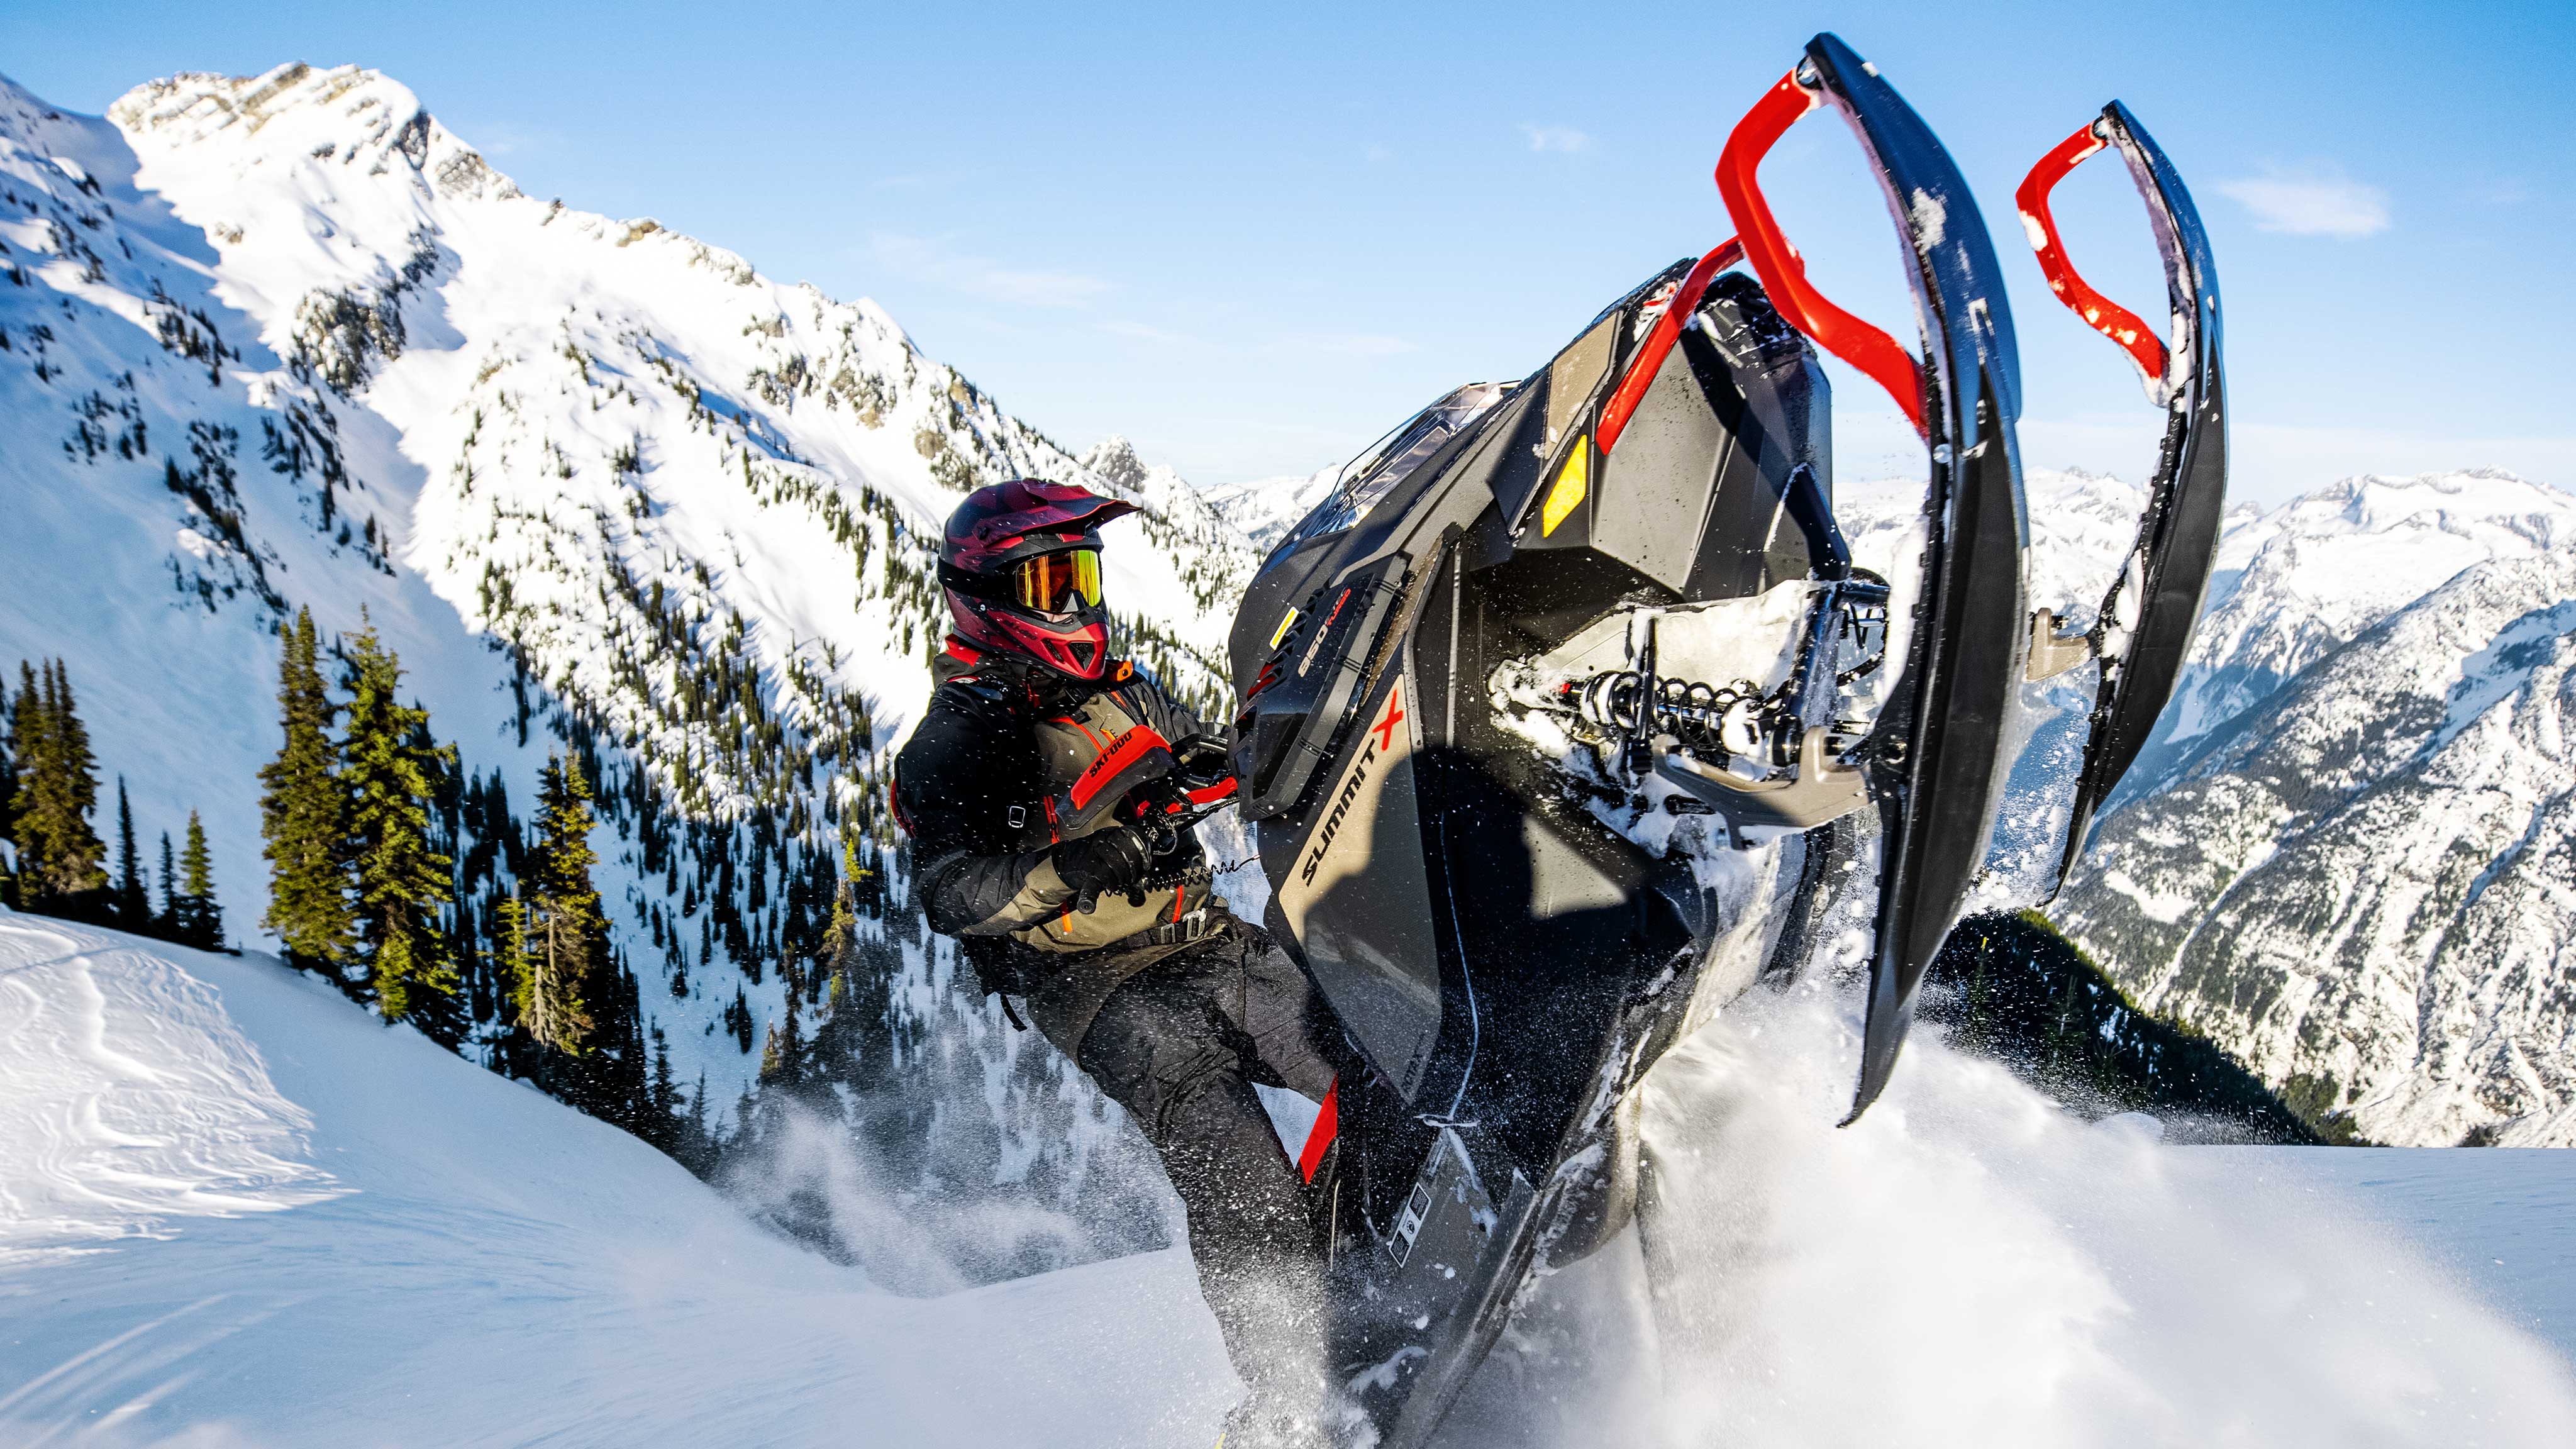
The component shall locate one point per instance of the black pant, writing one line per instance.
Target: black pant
(1179, 1046)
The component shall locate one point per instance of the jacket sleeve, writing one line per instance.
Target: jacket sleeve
(966, 764)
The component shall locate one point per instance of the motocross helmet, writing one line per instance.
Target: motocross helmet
(1020, 563)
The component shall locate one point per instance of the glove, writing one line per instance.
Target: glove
(1115, 858)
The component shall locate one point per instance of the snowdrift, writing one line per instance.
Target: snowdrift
(234, 1210)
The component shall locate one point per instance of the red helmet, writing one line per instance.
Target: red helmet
(1020, 563)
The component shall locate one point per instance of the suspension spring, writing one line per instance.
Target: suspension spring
(1714, 721)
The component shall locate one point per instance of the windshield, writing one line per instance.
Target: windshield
(1392, 459)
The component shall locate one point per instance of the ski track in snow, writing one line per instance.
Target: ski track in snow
(260, 1219)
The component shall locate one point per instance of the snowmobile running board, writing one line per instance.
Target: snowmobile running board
(1555, 656)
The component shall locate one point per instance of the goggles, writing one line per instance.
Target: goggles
(1058, 583)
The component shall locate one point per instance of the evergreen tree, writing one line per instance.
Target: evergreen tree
(10, 758)
(559, 943)
(663, 1125)
(60, 858)
(166, 924)
(302, 817)
(201, 920)
(8, 768)
(133, 884)
(389, 773)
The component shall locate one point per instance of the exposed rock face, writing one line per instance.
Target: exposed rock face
(2365, 884)
(2347, 857)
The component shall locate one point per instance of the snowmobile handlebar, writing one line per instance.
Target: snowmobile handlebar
(1775, 259)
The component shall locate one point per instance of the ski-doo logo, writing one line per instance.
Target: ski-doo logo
(1381, 738)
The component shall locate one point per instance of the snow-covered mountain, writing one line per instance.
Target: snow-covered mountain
(2353, 866)
(1266, 508)
(283, 341)
(2345, 856)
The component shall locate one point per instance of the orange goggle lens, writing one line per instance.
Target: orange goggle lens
(1056, 583)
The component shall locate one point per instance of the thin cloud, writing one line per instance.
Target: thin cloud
(2311, 202)
(932, 261)
(1555, 138)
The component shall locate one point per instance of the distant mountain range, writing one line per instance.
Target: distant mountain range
(2345, 854)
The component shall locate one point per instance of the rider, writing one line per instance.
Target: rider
(1033, 789)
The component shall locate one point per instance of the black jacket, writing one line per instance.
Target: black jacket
(975, 787)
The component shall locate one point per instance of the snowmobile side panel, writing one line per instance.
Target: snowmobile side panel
(1358, 899)
(2147, 618)
(1314, 680)
(1935, 756)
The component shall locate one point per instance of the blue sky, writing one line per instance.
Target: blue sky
(1254, 241)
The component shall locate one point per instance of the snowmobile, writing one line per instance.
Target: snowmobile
(1566, 716)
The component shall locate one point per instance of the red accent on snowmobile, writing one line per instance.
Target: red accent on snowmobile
(1783, 272)
(2100, 313)
(1328, 1123)
(1384, 729)
(1659, 342)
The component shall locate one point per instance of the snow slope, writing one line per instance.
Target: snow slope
(123, 369)
(235, 1211)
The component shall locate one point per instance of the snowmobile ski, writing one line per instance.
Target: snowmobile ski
(1555, 659)
(2143, 632)
(1934, 761)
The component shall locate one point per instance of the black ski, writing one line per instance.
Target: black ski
(2144, 630)
(1934, 761)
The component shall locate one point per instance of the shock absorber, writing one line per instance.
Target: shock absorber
(1712, 721)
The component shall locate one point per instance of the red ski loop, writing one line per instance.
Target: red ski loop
(2100, 313)
(1659, 342)
(1784, 272)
